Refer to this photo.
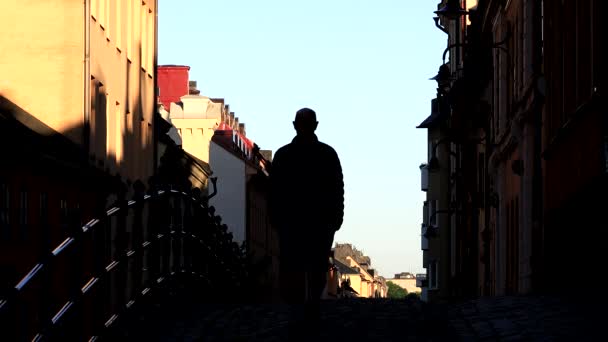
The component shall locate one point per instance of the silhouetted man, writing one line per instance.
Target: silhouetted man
(307, 207)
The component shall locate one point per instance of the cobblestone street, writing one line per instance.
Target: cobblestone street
(490, 319)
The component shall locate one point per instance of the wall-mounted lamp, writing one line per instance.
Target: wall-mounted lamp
(452, 10)
(445, 52)
(443, 29)
(433, 164)
(442, 78)
(431, 230)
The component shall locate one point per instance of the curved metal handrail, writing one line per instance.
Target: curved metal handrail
(122, 257)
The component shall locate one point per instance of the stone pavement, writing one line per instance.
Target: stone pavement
(342, 320)
(486, 319)
(529, 318)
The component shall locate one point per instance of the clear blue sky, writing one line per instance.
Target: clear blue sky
(362, 65)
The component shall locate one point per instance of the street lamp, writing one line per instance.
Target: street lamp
(452, 10)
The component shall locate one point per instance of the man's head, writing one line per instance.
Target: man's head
(305, 122)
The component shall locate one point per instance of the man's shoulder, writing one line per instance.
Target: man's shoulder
(282, 150)
(327, 148)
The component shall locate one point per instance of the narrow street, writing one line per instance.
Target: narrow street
(486, 319)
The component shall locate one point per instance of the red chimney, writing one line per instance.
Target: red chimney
(172, 83)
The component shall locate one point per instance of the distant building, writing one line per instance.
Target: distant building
(347, 275)
(367, 283)
(407, 281)
(209, 132)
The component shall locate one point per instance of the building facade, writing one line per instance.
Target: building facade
(77, 104)
(407, 281)
(356, 268)
(89, 76)
(211, 133)
(522, 87)
(573, 142)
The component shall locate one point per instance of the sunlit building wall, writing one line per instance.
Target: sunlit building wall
(86, 69)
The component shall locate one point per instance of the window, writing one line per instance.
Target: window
(136, 34)
(433, 204)
(569, 65)
(481, 168)
(144, 132)
(144, 36)
(129, 29)
(99, 121)
(94, 8)
(107, 17)
(150, 40)
(63, 214)
(118, 134)
(44, 207)
(425, 212)
(118, 12)
(512, 245)
(497, 97)
(149, 135)
(584, 49)
(5, 200)
(109, 126)
(505, 80)
(43, 220)
(129, 121)
(92, 114)
(23, 214)
(102, 13)
(433, 275)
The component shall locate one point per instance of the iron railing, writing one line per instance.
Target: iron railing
(105, 267)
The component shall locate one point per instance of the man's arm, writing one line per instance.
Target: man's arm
(273, 200)
(338, 191)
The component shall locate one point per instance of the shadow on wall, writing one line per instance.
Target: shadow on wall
(44, 178)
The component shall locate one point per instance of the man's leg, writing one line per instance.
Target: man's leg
(317, 279)
(321, 266)
(292, 285)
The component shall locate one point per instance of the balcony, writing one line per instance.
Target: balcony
(421, 280)
(424, 177)
(424, 241)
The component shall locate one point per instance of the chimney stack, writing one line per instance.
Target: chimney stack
(242, 129)
(192, 88)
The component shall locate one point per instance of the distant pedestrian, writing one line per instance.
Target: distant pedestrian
(307, 207)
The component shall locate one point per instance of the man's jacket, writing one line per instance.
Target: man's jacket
(307, 188)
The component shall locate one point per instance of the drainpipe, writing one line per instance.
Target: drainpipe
(86, 134)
